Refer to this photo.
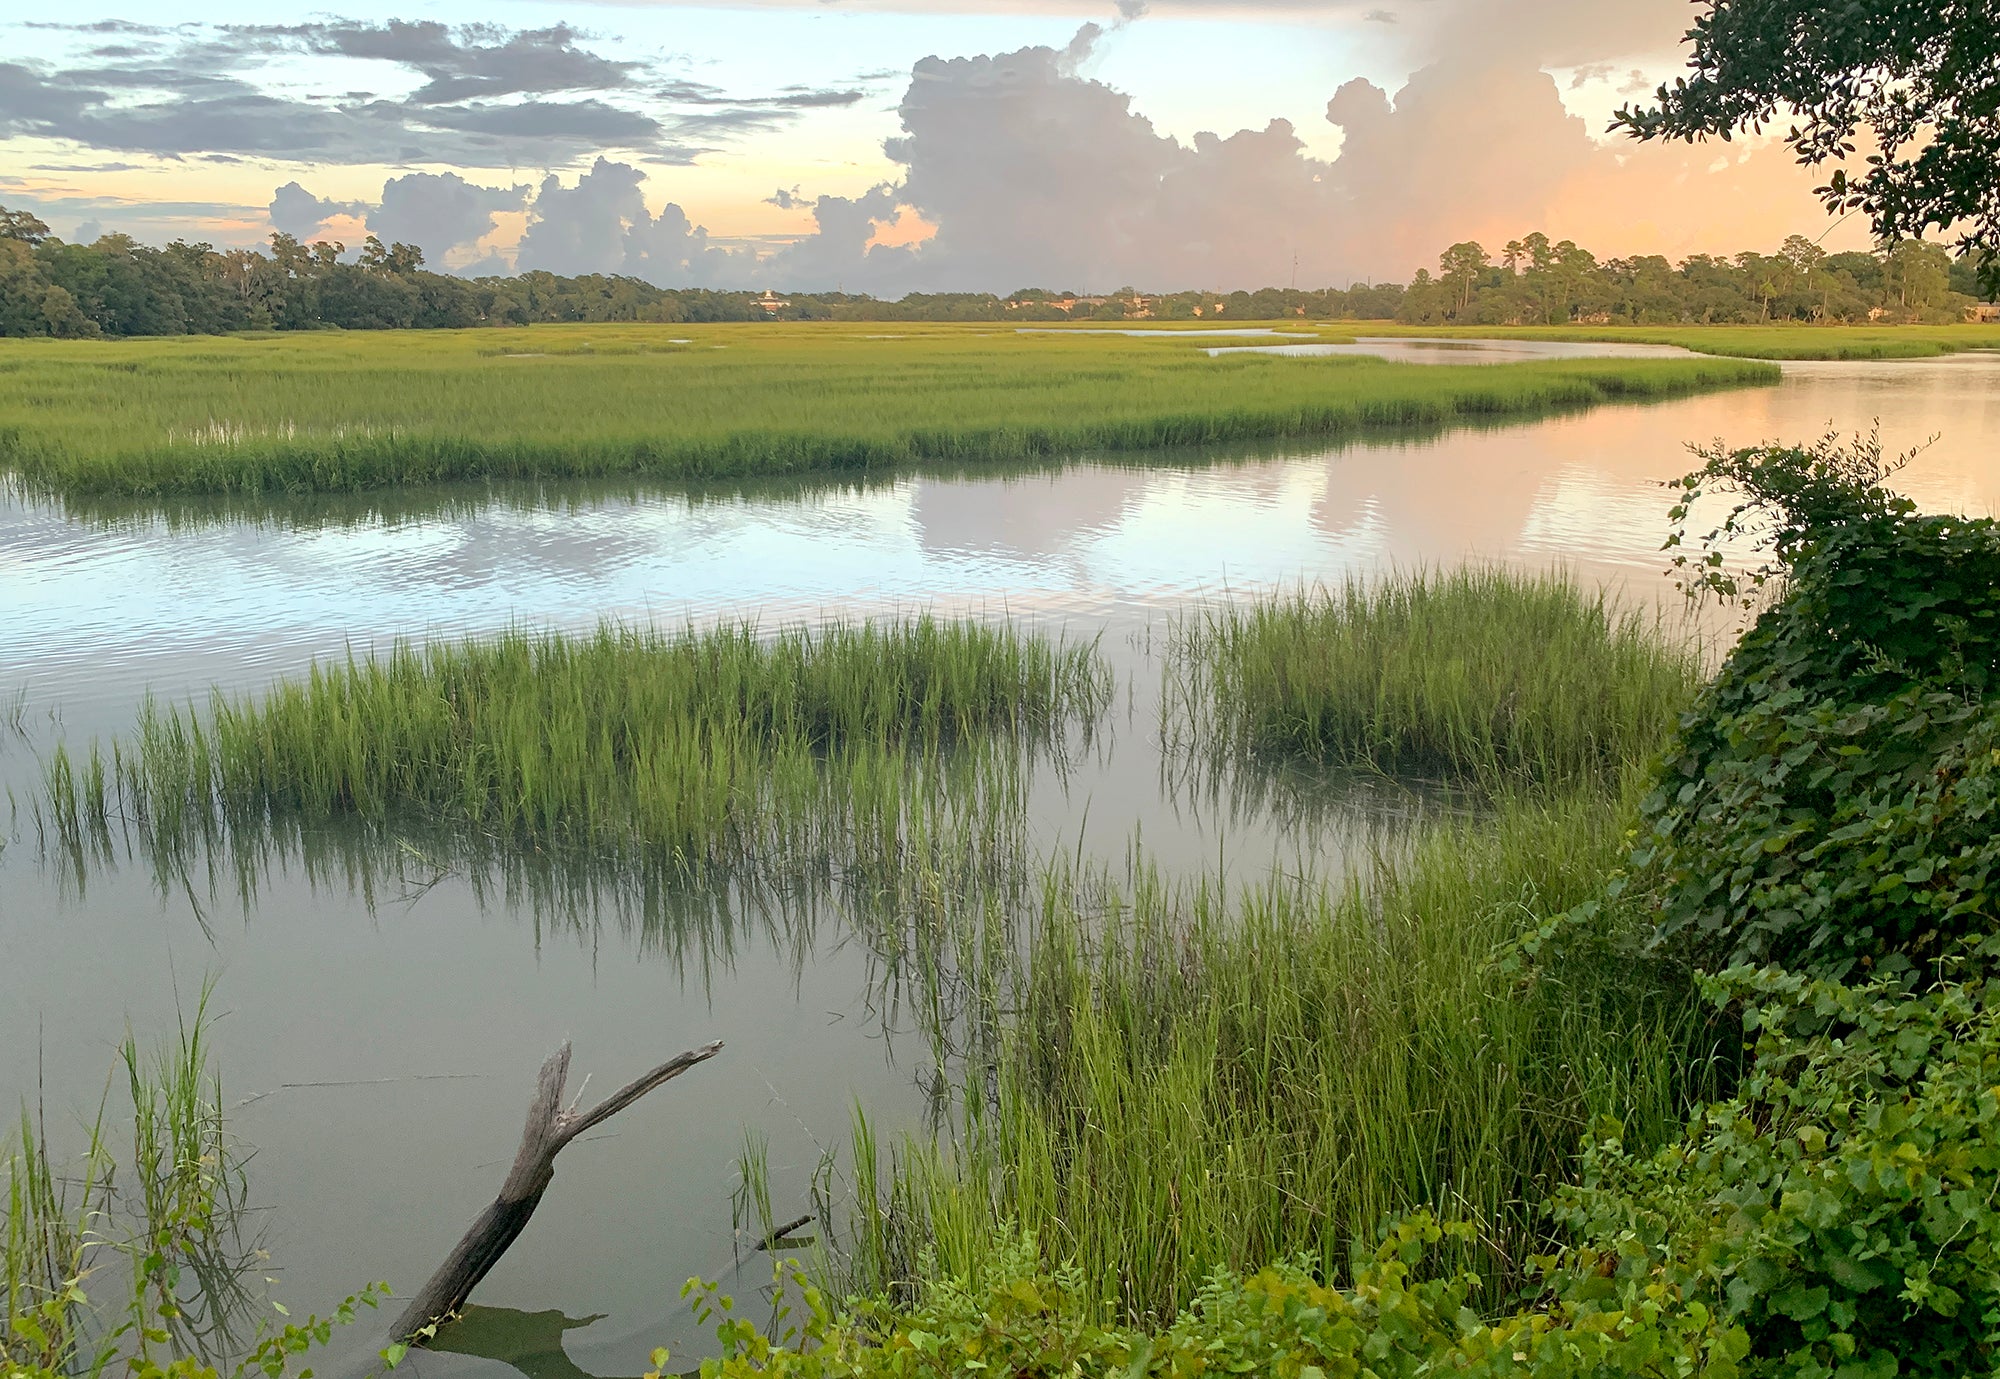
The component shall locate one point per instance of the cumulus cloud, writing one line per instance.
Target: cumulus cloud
(603, 225)
(1035, 173)
(841, 252)
(297, 212)
(440, 212)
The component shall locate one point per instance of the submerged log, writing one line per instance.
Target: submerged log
(779, 1236)
(550, 1127)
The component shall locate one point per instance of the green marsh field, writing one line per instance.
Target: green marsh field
(325, 412)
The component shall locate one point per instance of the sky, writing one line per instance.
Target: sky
(882, 145)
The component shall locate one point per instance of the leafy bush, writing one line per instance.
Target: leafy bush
(1829, 804)
(1840, 1209)
(1016, 1318)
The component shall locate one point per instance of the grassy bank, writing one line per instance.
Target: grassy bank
(685, 750)
(1184, 1078)
(1796, 342)
(1165, 1078)
(1471, 674)
(330, 412)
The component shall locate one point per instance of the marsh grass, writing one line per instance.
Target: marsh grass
(1172, 1078)
(116, 1261)
(857, 746)
(1790, 342)
(340, 413)
(1477, 675)
(1157, 1077)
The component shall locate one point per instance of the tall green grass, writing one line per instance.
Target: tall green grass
(1155, 1078)
(687, 750)
(133, 1261)
(330, 413)
(1474, 674)
(1176, 1078)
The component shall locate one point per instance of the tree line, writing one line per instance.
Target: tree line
(1537, 282)
(117, 286)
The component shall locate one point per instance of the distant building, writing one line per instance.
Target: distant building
(1983, 313)
(772, 302)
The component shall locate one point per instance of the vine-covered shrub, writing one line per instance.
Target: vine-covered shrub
(1829, 804)
(1840, 1209)
(1608, 1317)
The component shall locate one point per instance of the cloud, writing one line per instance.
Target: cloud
(841, 252)
(1016, 168)
(478, 61)
(440, 212)
(791, 98)
(88, 167)
(171, 112)
(1033, 172)
(602, 225)
(298, 213)
(487, 97)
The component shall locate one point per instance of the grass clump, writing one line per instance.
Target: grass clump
(693, 749)
(141, 1265)
(340, 413)
(1180, 1078)
(1477, 674)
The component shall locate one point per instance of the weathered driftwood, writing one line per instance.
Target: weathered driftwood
(778, 1236)
(550, 1127)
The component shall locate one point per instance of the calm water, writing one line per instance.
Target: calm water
(383, 1039)
(1405, 351)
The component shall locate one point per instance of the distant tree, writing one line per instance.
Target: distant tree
(288, 253)
(1574, 272)
(1460, 269)
(390, 258)
(1806, 259)
(1922, 77)
(1965, 279)
(505, 311)
(1767, 276)
(22, 226)
(63, 318)
(1918, 274)
(1426, 302)
(23, 286)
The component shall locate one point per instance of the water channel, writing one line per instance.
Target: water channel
(378, 1040)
